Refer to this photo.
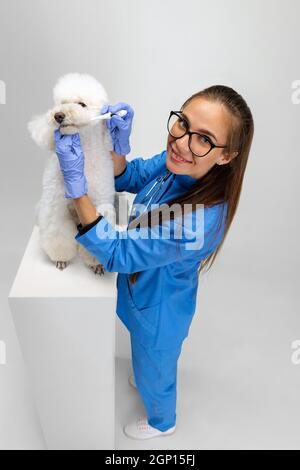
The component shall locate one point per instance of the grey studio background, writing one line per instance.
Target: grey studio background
(238, 386)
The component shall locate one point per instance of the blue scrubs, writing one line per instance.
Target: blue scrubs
(159, 308)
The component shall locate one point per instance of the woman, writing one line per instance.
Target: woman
(200, 174)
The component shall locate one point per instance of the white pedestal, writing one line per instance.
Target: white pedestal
(65, 322)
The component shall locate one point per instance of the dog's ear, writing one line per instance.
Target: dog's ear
(42, 132)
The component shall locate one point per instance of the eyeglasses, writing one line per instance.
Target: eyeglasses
(199, 144)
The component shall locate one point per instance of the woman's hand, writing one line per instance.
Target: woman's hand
(71, 160)
(119, 127)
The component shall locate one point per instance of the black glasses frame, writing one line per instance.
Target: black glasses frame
(212, 145)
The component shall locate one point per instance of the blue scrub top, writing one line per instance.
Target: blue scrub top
(159, 307)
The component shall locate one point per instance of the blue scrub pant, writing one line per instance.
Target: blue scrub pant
(155, 373)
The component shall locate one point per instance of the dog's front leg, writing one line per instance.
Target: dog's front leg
(90, 260)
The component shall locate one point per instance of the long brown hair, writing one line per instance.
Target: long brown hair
(223, 183)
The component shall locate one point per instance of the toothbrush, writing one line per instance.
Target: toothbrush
(121, 113)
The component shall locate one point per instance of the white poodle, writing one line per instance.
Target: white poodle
(77, 99)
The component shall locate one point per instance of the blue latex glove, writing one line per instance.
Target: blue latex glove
(71, 160)
(119, 127)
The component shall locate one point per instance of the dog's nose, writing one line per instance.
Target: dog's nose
(59, 117)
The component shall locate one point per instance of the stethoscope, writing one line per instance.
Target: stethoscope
(160, 181)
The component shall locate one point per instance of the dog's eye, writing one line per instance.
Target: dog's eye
(82, 104)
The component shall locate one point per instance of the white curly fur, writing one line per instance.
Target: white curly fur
(56, 215)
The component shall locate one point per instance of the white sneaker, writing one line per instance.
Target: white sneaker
(140, 429)
(131, 381)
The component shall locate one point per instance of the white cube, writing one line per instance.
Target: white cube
(65, 322)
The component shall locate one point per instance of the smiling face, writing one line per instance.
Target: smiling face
(210, 119)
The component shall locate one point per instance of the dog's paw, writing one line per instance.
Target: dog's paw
(61, 265)
(98, 269)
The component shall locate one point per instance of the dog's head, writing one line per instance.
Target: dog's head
(77, 99)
